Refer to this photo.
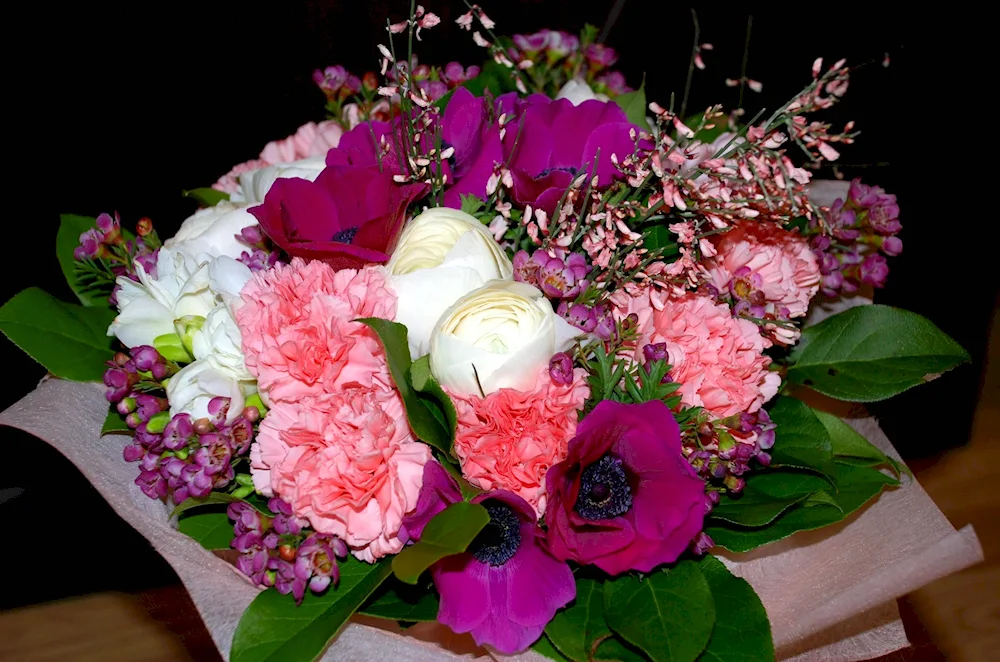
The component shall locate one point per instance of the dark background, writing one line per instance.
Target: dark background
(122, 109)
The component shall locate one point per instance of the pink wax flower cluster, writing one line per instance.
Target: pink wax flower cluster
(335, 444)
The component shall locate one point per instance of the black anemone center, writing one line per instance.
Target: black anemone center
(498, 541)
(345, 236)
(604, 490)
(569, 169)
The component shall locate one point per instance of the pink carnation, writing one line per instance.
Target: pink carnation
(717, 359)
(230, 182)
(346, 462)
(298, 335)
(770, 259)
(311, 139)
(509, 439)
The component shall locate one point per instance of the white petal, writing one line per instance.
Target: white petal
(141, 321)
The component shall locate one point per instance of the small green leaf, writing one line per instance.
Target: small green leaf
(821, 498)
(401, 602)
(213, 499)
(870, 353)
(212, 530)
(766, 496)
(471, 204)
(545, 648)
(115, 423)
(274, 629)
(800, 440)
(425, 416)
(429, 388)
(742, 630)
(669, 615)
(634, 105)
(71, 341)
(614, 649)
(207, 196)
(849, 447)
(71, 227)
(450, 532)
(574, 629)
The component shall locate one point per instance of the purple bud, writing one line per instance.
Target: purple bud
(126, 406)
(133, 420)
(657, 352)
(874, 270)
(702, 543)
(160, 371)
(892, 246)
(764, 459)
(133, 452)
(149, 405)
(119, 383)
(604, 326)
(145, 357)
(561, 369)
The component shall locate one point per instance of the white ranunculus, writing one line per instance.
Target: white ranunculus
(148, 308)
(211, 232)
(191, 389)
(255, 184)
(577, 91)
(498, 336)
(219, 339)
(442, 255)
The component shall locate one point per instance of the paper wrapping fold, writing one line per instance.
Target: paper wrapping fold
(830, 594)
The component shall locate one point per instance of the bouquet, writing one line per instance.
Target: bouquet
(506, 348)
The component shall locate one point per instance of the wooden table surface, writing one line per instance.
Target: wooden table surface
(956, 618)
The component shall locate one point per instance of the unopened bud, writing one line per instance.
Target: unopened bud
(133, 420)
(182, 453)
(241, 492)
(252, 414)
(158, 423)
(255, 401)
(144, 226)
(246, 480)
(287, 552)
(186, 327)
(203, 426)
(126, 406)
(121, 358)
(171, 347)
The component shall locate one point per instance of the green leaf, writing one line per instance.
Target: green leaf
(766, 496)
(854, 485)
(214, 499)
(401, 602)
(426, 418)
(742, 630)
(800, 440)
(849, 447)
(634, 105)
(207, 196)
(658, 237)
(429, 389)
(614, 649)
(71, 341)
(471, 204)
(870, 353)
(71, 227)
(212, 530)
(545, 648)
(273, 629)
(707, 135)
(574, 629)
(115, 423)
(450, 532)
(669, 615)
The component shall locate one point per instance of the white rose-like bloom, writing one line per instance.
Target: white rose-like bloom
(442, 255)
(255, 184)
(148, 308)
(498, 336)
(211, 232)
(191, 389)
(577, 91)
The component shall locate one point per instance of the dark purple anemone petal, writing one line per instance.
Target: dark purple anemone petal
(464, 586)
(603, 142)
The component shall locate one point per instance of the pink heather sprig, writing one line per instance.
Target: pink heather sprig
(278, 550)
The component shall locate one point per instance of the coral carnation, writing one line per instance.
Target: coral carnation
(717, 358)
(299, 337)
(346, 462)
(770, 259)
(509, 439)
(311, 139)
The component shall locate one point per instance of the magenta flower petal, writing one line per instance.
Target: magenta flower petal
(464, 585)
(438, 491)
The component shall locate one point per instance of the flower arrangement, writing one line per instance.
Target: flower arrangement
(503, 347)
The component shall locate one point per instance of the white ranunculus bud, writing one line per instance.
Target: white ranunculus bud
(498, 336)
(255, 184)
(577, 91)
(442, 254)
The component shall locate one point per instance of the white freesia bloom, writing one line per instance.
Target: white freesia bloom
(227, 277)
(442, 255)
(577, 91)
(211, 232)
(191, 389)
(498, 336)
(149, 307)
(255, 184)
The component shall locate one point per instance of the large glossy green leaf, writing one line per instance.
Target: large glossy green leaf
(870, 353)
(669, 614)
(545, 648)
(213, 530)
(849, 447)
(800, 440)
(429, 389)
(215, 499)
(71, 227)
(450, 532)
(397, 601)
(115, 423)
(767, 495)
(70, 340)
(634, 105)
(574, 629)
(274, 629)
(207, 197)
(614, 649)
(424, 413)
(742, 630)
